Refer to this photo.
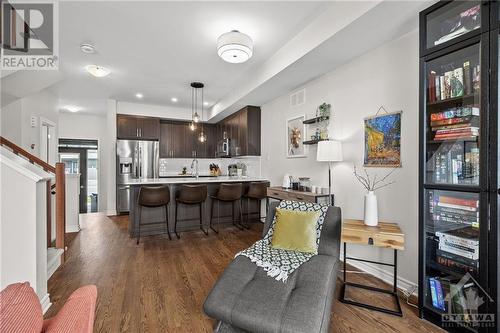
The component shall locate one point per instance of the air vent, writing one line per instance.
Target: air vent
(298, 98)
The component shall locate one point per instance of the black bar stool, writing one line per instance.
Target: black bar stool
(227, 193)
(191, 195)
(152, 197)
(257, 191)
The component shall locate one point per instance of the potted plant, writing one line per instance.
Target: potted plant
(372, 184)
(323, 116)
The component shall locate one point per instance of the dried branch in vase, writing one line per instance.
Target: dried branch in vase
(372, 183)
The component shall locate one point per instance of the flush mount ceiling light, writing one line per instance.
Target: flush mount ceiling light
(71, 108)
(235, 47)
(97, 71)
(174, 99)
(87, 48)
(139, 95)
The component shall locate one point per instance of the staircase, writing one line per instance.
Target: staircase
(28, 251)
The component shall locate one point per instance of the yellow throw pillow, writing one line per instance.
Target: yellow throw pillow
(295, 230)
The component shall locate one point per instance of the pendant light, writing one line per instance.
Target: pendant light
(192, 125)
(198, 87)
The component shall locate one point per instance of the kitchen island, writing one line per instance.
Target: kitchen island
(188, 216)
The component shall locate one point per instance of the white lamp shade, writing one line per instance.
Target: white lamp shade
(235, 47)
(329, 151)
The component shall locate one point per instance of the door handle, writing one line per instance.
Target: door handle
(498, 191)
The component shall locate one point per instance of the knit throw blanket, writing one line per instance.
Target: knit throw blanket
(279, 263)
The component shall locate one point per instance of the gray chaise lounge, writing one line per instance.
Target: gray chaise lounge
(245, 299)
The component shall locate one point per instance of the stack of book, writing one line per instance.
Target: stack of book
(454, 165)
(457, 211)
(459, 249)
(455, 83)
(455, 123)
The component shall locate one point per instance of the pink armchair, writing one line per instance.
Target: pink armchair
(20, 311)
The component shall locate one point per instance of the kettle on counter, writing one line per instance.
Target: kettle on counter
(287, 181)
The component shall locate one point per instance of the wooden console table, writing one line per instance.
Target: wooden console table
(386, 235)
(280, 193)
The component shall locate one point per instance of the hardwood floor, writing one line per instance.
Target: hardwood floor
(160, 285)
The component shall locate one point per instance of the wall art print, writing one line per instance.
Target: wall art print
(383, 140)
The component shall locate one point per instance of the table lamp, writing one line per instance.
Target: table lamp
(329, 151)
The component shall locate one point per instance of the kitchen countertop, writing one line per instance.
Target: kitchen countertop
(193, 180)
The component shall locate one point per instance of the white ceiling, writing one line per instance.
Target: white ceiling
(158, 48)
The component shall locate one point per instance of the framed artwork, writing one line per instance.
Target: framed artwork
(383, 140)
(295, 135)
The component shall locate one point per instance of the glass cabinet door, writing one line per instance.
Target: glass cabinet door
(451, 21)
(452, 117)
(452, 242)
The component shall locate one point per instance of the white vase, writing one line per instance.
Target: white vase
(371, 211)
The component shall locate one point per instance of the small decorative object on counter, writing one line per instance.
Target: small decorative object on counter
(232, 170)
(214, 170)
(184, 171)
(372, 184)
(305, 184)
(241, 169)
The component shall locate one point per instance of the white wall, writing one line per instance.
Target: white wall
(16, 120)
(385, 76)
(93, 127)
(150, 110)
(11, 122)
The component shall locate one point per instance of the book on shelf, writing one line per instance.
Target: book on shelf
(452, 166)
(467, 78)
(453, 83)
(473, 120)
(455, 112)
(476, 78)
(462, 242)
(437, 294)
(453, 211)
(456, 262)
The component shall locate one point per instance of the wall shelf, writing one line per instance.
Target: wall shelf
(313, 142)
(315, 120)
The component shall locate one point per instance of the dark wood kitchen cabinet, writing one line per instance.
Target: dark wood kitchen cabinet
(245, 132)
(137, 128)
(174, 141)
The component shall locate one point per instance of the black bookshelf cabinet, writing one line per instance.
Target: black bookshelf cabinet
(458, 173)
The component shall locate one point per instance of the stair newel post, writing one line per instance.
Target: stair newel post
(60, 206)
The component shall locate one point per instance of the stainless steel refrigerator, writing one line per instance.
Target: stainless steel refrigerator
(134, 160)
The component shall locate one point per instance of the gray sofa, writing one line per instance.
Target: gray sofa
(245, 299)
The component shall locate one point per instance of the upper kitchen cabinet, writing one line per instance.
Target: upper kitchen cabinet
(248, 121)
(137, 128)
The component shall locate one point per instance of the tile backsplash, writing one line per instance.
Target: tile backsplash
(173, 166)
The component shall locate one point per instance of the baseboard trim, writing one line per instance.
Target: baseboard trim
(111, 212)
(386, 276)
(54, 261)
(45, 303)
(72, 228)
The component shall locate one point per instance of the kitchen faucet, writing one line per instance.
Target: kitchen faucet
(194, 165)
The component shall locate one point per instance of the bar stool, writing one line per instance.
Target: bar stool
(191, 195)
(256, 191)
(227, 193)
(152, 197)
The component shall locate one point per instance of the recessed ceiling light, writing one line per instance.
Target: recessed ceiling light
(139, 95)
(174, 99)
(206, 103)
(97, 71)
(87, 48)
(235, 47)
(72, 108)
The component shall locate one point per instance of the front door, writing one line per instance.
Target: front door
(81, 156)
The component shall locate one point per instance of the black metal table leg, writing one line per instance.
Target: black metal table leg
(393, 292)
